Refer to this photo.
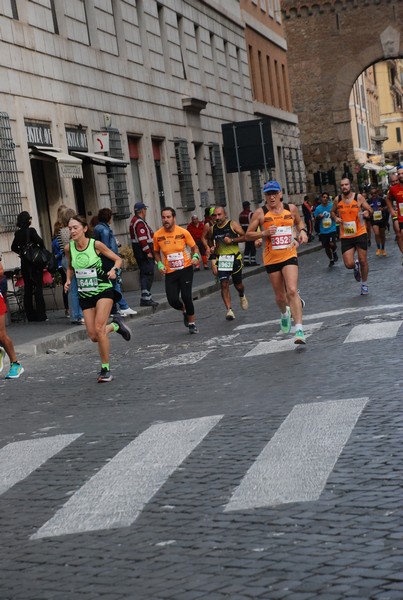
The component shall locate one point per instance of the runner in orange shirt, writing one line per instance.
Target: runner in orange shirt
(179, 252)
(277, 224)
(350, 209)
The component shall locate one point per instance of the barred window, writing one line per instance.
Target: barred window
(117, 179)
(184, 174)
(217, 173)
(10, 194)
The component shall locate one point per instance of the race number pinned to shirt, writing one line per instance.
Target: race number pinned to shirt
(349, 228)
(87, 280)
(326, 221)
(377, 215)
(282, 238)
(226, 262)
(176, 261)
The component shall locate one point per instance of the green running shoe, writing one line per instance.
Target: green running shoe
(299, 337)
(285, 322)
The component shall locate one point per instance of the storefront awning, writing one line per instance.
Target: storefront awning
(101, 159)
(69, 166)
(372, 167)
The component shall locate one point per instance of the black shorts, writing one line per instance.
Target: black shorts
(236, 272)
(361, 241)
(381, 223)
(91, 301)
(328, 238)
(279, 266)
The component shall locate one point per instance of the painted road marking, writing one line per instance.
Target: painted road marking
(20, 459)
(373, 331)
(117, 494)
(324, 315)
(222, 340)
(281, 345)
(295, 465)
(179, 361)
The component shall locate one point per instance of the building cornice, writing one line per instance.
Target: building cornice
(263, 30)
(275, 113)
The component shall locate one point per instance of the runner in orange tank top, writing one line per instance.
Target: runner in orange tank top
(281, 231)
(349, 210)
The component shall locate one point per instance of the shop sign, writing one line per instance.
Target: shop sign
(38, 134)
(76, 139)
(71, 171)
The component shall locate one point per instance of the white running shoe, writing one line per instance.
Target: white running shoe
(230, 315)
(244, 302)
(126, 312)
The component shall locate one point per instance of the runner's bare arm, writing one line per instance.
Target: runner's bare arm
(239, 231)
(299, 224)
(364, 204)
(257, 220)
(333, 212)
(390, 205)
(205, 238)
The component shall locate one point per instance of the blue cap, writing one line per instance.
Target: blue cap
(271, 186)
(139, 206)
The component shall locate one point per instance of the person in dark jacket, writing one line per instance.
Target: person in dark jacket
(31, 274)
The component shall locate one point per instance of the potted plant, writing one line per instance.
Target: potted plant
(130, 279)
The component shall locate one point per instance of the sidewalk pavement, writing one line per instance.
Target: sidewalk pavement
(46, 337)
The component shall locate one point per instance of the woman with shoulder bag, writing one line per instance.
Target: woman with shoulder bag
(31, 273)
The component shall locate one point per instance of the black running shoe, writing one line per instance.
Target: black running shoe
(104, 375)
(193, 328)
(123, 330)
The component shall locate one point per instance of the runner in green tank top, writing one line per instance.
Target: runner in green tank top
(95, 290)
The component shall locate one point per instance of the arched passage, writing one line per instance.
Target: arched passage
(329, 44)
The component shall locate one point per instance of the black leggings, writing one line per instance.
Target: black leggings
(180, 282)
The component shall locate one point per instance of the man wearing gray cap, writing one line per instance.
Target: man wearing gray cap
(141, 236)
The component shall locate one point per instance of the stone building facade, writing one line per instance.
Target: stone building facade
(108, 102)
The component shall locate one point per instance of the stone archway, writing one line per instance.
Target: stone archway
(330, 43)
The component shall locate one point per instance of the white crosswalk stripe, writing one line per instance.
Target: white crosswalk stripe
(116, 495)
(295, 465)
(373, 331)
(285, 345)
(20, 459)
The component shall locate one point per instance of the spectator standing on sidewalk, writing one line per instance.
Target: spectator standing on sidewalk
(195, 228)
(63, 237)
(141, 236)
(307, 214)
(103, 233)
(58, 251)
(249, 255)
(31, 274)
